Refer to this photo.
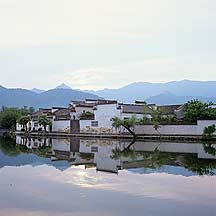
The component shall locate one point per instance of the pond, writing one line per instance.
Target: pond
(99, 177)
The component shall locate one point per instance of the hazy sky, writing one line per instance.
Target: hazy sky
(92, 44)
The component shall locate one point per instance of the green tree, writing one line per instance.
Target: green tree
(128, 124)
(9, 116)
(209, 148)
(195, 110)
(24, 120)
(44, 121)
(157, 120)
(87, 115)
(209, 131)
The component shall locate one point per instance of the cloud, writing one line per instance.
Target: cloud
(158, 69)
(100, 43)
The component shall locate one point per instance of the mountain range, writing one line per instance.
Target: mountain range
(176, 92)
(54, 97)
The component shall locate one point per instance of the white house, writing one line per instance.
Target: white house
(105, 110)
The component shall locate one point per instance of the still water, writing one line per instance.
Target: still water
(102, 178)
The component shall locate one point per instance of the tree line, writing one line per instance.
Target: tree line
(9, 116)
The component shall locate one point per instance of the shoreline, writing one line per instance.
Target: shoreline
(143, 137)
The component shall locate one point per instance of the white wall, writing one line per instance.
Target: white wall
(61, 126)
(61, 144)
(80, 110)
(167, 129)
(201, 124)
(105, 113)
(175, 129)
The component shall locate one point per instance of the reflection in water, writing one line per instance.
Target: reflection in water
(111, 155)
(60, 177)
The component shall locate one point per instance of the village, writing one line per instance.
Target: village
(95, 117)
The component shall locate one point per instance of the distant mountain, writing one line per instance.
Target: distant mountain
(63, 86)
(54, 97)
(36, 90)
(144, 90)
(168, 98)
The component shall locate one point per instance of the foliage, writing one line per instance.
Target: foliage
(199, 166)
(144, 120)
(8, 146)
(195, 110)
(209, 131)
(9, 116)
(127, 123)
(157, 119)
(44, 121)
(24, 121)
(117, 153)
(87, 116)
(157, 159)
(209, 148)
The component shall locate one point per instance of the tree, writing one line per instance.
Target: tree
(195, 110)
(87, 116)
(9, 116)
(209, 148)
(24, 120)
(127, 124)
(157, 119)
(209, 131)
(44, 121)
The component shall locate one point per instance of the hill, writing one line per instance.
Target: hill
(168, 98)
(144, 90)
(53, 97)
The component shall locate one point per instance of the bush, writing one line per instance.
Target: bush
(209, 131)
(87, 116)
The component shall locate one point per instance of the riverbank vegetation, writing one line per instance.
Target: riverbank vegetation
(10, 116)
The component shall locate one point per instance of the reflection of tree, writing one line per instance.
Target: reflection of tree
(87, 156)
(8, 146)
(208, 148)
(43, 150)
(156, 159)
(201, 167)
(128, 153)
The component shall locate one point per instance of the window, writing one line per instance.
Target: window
(94, 149)
(94, 123)
(35, 124)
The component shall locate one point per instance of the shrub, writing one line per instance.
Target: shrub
(209, 131)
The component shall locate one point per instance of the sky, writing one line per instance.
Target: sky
(105, 43)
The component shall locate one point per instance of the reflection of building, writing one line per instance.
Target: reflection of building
(180, 148)
(107, 155)
(32, 143)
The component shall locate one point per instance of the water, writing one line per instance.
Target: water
(100, 177)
